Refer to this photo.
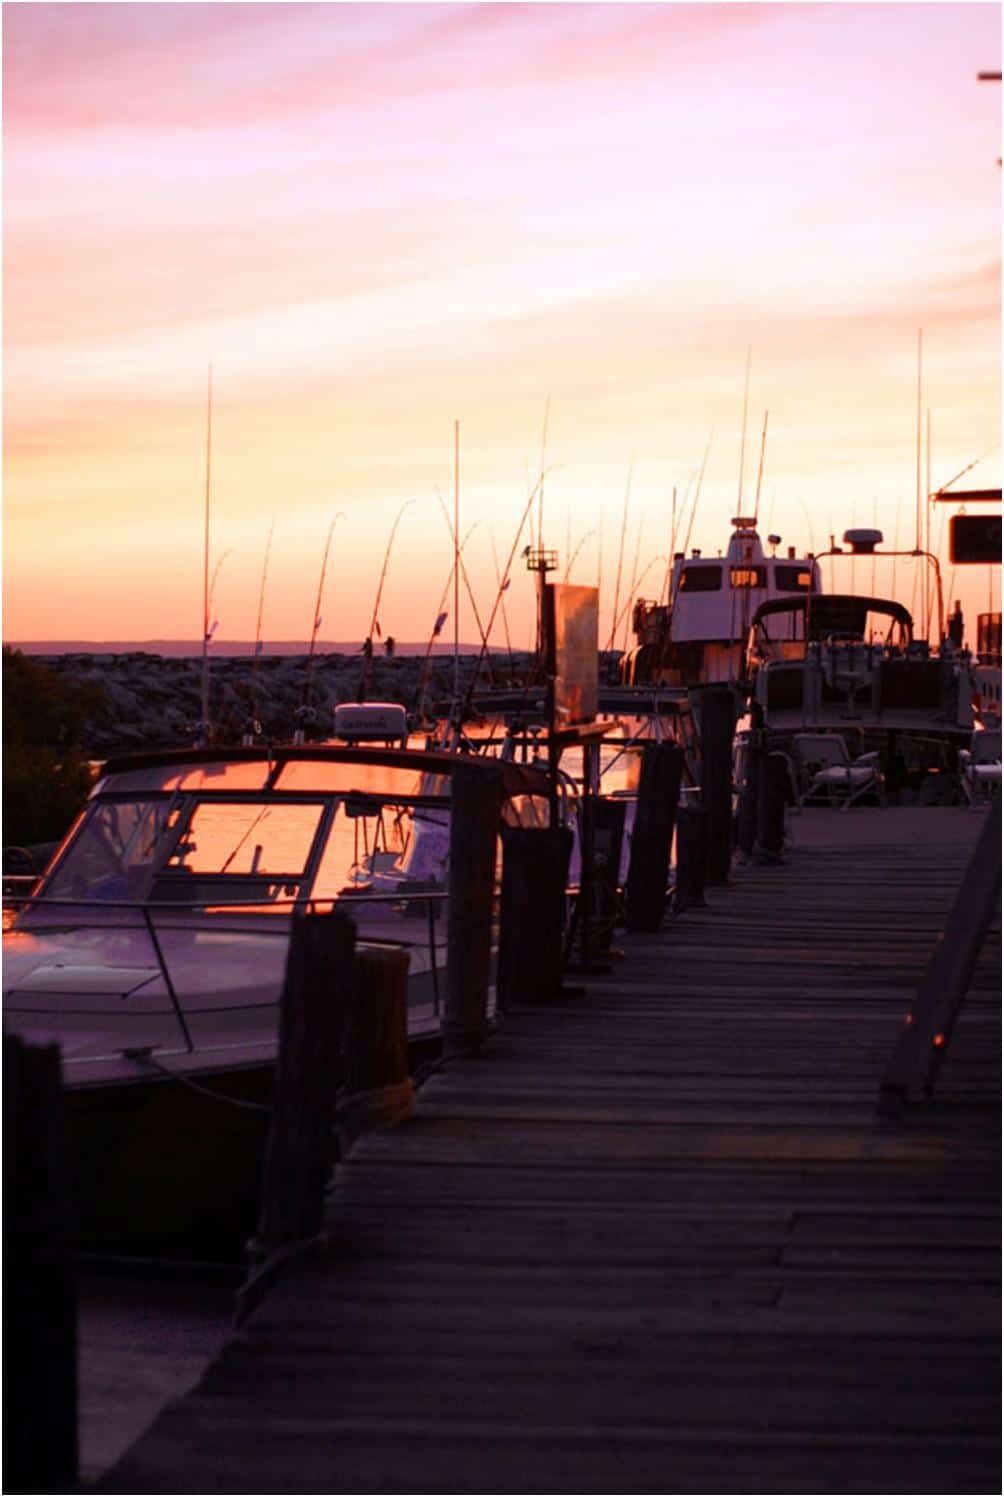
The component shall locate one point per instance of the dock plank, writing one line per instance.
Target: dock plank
(656, 1238)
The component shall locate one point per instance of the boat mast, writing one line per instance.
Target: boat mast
(204, 729)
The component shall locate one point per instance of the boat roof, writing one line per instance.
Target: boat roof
(516, 779)
(835, 612)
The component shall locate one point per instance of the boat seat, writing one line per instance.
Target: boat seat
(980, 765)
(825, 771)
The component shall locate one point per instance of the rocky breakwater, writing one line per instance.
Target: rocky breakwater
(154, 701)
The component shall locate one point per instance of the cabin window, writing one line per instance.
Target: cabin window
(792, 579)
(748, 576)
(701, 579)
(263, 837)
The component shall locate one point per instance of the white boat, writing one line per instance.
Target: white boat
(848, 669)
(699, 636)
(154, 949)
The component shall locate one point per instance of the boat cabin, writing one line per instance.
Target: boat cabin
(698, 636)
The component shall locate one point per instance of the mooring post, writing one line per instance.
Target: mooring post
(691, 856)
(531, 936)
(717, 718)
(749, 800)
(377, 1087)
(771, 803)
(609, 814)
(476, 801)
(300, 1152)
(652, 836)
(40, 1310)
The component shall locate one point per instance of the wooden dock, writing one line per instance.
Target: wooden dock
(657, 1238)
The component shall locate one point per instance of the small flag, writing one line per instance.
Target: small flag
(377, 627)
(317, 623)
(212, 629)
(505, 585)
(439, 624)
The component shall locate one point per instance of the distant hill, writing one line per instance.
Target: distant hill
(186, 648)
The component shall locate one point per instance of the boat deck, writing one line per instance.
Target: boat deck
(657, 1239)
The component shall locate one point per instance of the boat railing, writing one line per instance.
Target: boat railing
(113, 914)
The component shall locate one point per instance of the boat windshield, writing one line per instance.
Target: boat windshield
(113, 853)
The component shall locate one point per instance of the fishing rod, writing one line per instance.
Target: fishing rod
(305, 711)
(502, 588)
(459, 560)
(575, 554)
(374, 621)
(204, 728)
(635, 582)
(693, 512)
(437, 628)
(667, 580)
(620, 554)
(505, 615)
(254, 726)
(641, 579)
(759, 476)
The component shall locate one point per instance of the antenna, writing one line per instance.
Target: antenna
(204, 729)
(742, 441)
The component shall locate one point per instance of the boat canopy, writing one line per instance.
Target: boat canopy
(399, 773)
(836, 613)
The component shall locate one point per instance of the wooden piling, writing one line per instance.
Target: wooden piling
(377, 1085)
(749, 800)
(476, 800)
(651, 839)
(531, 936)
(300, 1152)
(771, 803)
(691, 857)
(717, 724)
(39, 1312)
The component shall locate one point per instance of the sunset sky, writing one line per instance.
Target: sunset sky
(375, 220)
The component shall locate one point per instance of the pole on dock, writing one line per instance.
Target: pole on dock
(716, 707)
(40, 1311)
(377, 1088)
(531, 936)
(771, 802)
(651, 839)
(926, 1035)
(476, 791)
(609, 813)
(691, 857)
(300, 1152)
(749, 799)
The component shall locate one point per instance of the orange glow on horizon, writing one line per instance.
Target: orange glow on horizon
(376, 219)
